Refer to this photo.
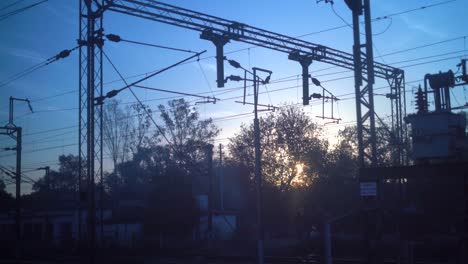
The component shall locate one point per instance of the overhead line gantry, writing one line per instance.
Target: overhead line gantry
(220, 31)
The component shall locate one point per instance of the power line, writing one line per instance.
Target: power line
(10, 5)
(19, 10)
(41, 149)
(116, 38)
(46, 131)
(223, 99)
(380, 18)
(173, 92)
(206, 78)
(136, 97)
(220, 119)
(287, 77)
(63, 54)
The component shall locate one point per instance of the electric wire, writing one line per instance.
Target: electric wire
(174, 92)
(377, 18)
(20, 10)
(205, 77)
(10, 5)
(63, 54)
(223, 99)
(149, 44)
(296, 75)
(139, 102)
(280, 80)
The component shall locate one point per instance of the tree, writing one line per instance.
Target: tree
(386, 143)
(293, 150)
(187, 135)
(139, 127)
(65, 180)
(117, 124)
(6, 199)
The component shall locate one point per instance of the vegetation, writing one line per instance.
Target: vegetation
(305, 178)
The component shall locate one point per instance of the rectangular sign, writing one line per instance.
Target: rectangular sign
(368, 188)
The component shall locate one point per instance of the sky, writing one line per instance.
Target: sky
(39, 33)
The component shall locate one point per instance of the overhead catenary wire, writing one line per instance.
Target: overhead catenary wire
(226, 99)
(10, 5)
(117, 38)
(19, 10)
(160, 129)
(308, 34)
(221, 119)
(379, 18)
(295, 76)
(139, 102)
(174, 92)
(205, 77)
(129, 86)
(61, 55)
(237, 97)
(323, 69)
(349, 77)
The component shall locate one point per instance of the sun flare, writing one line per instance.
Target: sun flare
(299, 168)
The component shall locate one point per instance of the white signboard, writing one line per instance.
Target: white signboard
(368, 188)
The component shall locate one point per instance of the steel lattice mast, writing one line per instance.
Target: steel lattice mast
(90, 114)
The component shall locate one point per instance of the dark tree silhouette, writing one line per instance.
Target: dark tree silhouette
(117, 126)
(292, 149)
(63, 180)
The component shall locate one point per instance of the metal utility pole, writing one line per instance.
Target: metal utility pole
(209, 163)
(19, 132)
(258, 165)
(221, 180)
(15, 133)
(258, 175)
(367, 141)
(364, 71)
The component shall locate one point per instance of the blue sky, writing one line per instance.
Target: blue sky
(39, 33)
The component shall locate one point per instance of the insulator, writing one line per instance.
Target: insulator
(316, 96)
(421, 104)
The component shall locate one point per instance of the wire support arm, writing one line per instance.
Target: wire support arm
(112, 93)
(181, 17)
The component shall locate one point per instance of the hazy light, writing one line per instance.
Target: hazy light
(299, 168)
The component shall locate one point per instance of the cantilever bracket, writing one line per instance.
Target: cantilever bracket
(219, 41)
(305, 61)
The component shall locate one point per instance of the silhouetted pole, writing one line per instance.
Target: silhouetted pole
(18, 191)
(221, 180)
(258, 172)
(91, 132)
(327, 242)
(11, 128)
(209, 165)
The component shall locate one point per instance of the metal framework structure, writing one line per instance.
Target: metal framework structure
(90, 114)
(220, 31)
